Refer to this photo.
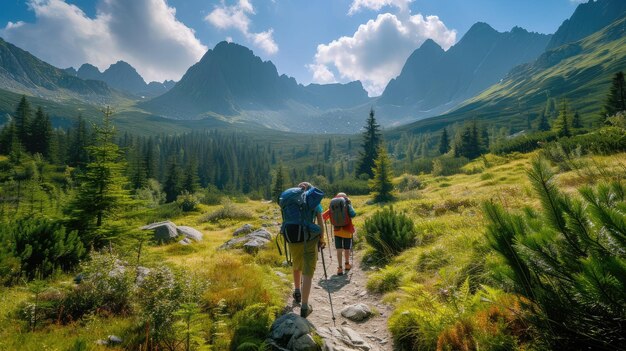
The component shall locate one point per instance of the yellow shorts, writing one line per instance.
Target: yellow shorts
(304, 256)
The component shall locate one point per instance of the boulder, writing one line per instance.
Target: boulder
(292, 332)
(251, 242)
(163, 231)
(357, 313)
(190, 233)
(185, 241)
(344, 339)
(245, 229)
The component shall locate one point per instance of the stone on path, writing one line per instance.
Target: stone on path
(344, 339)
(292, 332)
(357, 312)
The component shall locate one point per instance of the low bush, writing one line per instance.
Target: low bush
(348, 186)
(251, 326)
(447, 165)
(187, 202)
(211, 196)
(35, 248)
(409, 182)
(524, 143)
(386, 280)
(228, 211)
(389, 232)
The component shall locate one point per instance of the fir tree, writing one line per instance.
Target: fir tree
(616, 100)
(381, 183)
(562, 125)
(576, 121)
(279, 185)
(190, 178)
(543, 124)
(41, 134)
(468, 144)
(23, 116)
(79, 140)
(371, 144)
(172, 186)
(101, 194)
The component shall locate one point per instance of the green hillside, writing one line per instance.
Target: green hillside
(579, 72)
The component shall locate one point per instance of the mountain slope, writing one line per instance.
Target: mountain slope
(23, 73)
(432, 78)
(588, 18)
(231, 81)
(124, 77)
(580, 72)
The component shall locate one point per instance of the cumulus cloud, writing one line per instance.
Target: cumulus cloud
(376, 52)
(402, 5)
(144, 33)
(237, 17)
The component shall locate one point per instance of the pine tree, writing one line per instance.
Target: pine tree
(616, 100)
(381, 183)
(190, 178)
(562, 125)
(371, 144)
(41, 134)
(23, 116)
(576, 121)
(172, 186)
(469, 143)
(77, 149)
(279, 185)
(543, 124)
(101, 194)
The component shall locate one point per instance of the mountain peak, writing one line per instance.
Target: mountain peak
(430, 45)
(88, 71)
(479, 28)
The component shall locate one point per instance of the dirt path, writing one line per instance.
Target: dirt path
(347, 290)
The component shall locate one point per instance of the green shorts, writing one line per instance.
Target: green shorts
(304, 256)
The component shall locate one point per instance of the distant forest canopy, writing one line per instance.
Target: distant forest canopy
(232, 162)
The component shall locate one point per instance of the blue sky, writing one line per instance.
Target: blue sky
(314, 41)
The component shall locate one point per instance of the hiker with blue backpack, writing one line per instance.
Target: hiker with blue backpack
(300, 207)
(340, 212)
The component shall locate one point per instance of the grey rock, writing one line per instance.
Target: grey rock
(357, 312)
(190, 233)
(245, 229)
(292, 332)
(344, 339)
(101, 342)
(264, 217)
(163, 231)
(114, 339)
(251, 242)
(185, 241)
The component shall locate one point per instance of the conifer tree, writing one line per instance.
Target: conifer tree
(23, 116)
(576, 121)
(371, 144)
(79, 140)
(543, 124)
(190, 179)
(41, 134)
(279, 185)
(101, 194)
(616, 100)
(381, 183)
(172, 186)
(562, 125)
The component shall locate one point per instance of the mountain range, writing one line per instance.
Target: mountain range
(489, 74)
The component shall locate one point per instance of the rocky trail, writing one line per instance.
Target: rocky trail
(352, 303)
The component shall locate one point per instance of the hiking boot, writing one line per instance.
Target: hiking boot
(305, 312)
(348, 266)
(297, 296)
(339, 271)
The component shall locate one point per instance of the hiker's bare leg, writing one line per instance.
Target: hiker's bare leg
(347, 252)
(307, 281)
(297, 278)
(340, 257)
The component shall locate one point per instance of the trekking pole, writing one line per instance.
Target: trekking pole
(330, 254)
(332, 311)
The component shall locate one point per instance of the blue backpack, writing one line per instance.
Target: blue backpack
(298, 210)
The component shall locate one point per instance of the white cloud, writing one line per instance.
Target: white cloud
(238, 17)
(376, 52)
(144, 33)
(402, 5)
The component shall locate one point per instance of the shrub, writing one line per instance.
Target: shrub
(433, 259)
(348, 186)
(211, 196)
(388, 279)
(151, 194)
(524, 143)
(187, 202)
(228, 211)
(567, 261)
(446, 165)
(251, 326)
(409, 182)
(389, 232)
(37, 247)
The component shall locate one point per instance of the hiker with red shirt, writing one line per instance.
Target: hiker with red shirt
(340, 213)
